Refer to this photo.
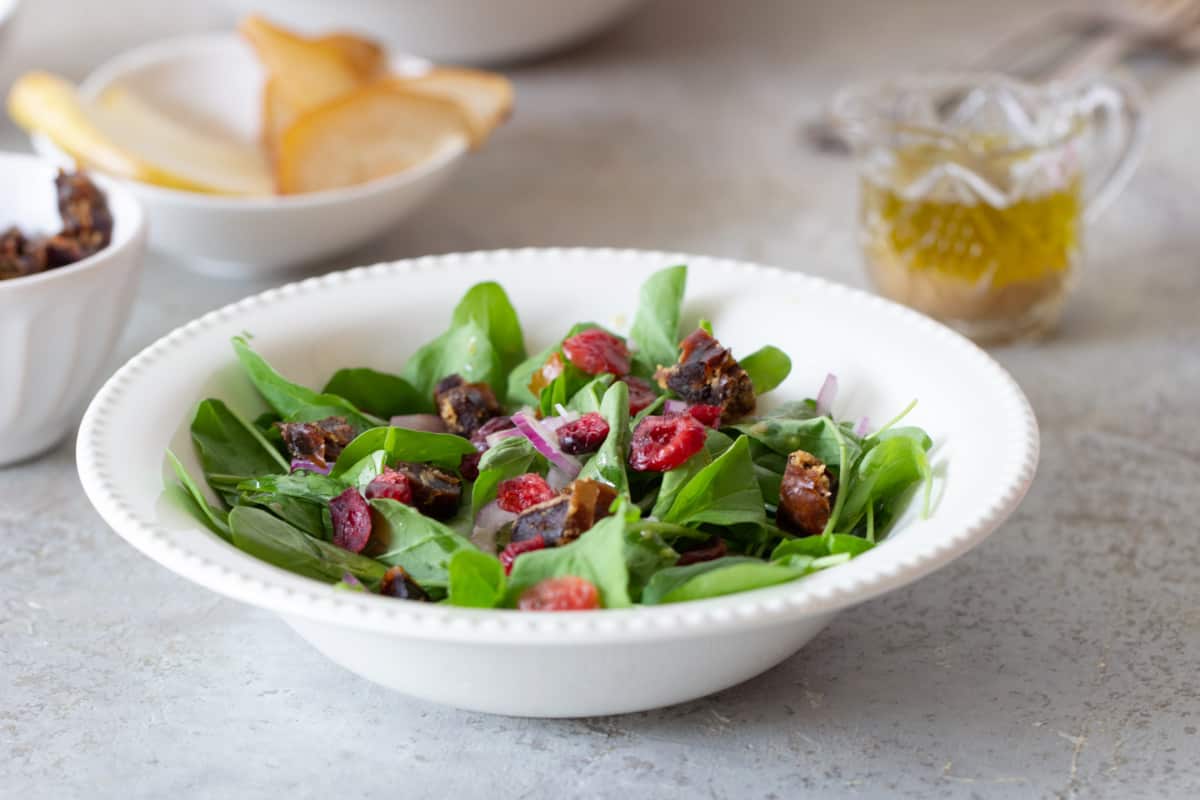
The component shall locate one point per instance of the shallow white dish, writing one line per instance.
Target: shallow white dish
(584, 663)
(458, 31)
(58, 328)
(215, 81)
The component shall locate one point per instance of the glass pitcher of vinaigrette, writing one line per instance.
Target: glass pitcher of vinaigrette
(975, 190)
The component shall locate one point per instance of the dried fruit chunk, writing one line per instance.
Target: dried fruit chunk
(641, 394)
(595, 352)
(465, 407)
(709, 550)
(517, 494)
(509, 554)
(707, 374)
(659, 444)
(351, 520)
(804, 495)
(391, 485)
(436, 493)
(399, 584)
(319, 443)
(487, 98)
(567, 516)
(709, 416)
(566, 593)
(584, 435)
(371, 132)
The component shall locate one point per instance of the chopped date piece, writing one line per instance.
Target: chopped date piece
(87, 229)
(468, 467)
(641, 394)
(509, 554)
(660, 444)
(706, 415)
(351, 520)
(804, 495)
(391, 485)
(709, 550)
(319, 443)
(545, 375)
(567, 516)
(465, 407)
(493, 425)
(517, 494)
(584, 435)
(707, 374)
(399, 584)
(565, 593)
(436, 493)
(596, 352)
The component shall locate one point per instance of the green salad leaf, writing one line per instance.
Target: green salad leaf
(215, 518)
(378, 393)
(510, 457)
(608, 464)
(820, 436)
(724, 492)
(476, 580)
(463, 350)
(402, 444)
(265, 536)
(819, 546)
(231, 449)
(656, 325)
(722, 576)
(767, 367)
(589, 398)
(403, 536)
(597, 556)
(487, 305)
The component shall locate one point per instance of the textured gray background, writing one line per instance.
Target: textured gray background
(1057, 660)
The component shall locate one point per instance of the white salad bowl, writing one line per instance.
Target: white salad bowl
(215, 81)
(58, 328)
(582, 663)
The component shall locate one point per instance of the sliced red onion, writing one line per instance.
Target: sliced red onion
(863, 427)
(672, 407)
(826, 396)
(429, 423)
(350, 580)
(558, 479)
(308, 466)
(488, 522)
(494, 439)
(546, 443)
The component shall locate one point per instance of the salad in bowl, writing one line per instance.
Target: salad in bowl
(602, 472)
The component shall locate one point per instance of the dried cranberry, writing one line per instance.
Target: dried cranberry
(584, 435)
(641, 394)
(493, 425)
(351, 520)
(519, 493)
(509, 554)
(596, 352)
(399, 584)
(663, 443)
(390, 485)
(469, 466)
(567, 593)
(705, 414)
(709, 550)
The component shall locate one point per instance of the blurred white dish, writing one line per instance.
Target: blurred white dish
(58, 328)
(564, 664)
(453, 31)
(215, 81)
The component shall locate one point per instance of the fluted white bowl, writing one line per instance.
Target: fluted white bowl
(564, 664)
(58, 328)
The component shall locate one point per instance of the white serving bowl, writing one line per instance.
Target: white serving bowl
(216, 81)
(459, 31)
(564, 664)
(58, 328)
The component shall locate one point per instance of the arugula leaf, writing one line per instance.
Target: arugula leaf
(230, 449)
(216, 519)
(476, 580)
(510, 457)
(487, 305)
(767, 367)
(464, 349)
(403, 536)
(722, 576)
(819, 546)
(292, 401)
(379, 393)
(656, 324)
(608, 464)
(597, 556)
(724, 492)
(402, 444)
(265, 536)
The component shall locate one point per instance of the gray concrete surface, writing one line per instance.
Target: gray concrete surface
(1057, 660)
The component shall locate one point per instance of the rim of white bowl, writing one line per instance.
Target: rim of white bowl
(129, 224)
(173, 48)
(246, 578)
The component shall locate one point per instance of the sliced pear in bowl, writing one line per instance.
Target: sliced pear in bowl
(486, 97)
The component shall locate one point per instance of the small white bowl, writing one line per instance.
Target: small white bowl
(565, 664)
(216, 81)
(58, 328)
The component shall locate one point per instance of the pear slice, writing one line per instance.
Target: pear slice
(307, 73)
(486, 97)
(277, 116)
(377, 130)
(365, 57)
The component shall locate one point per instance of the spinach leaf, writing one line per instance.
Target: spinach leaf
(379, 393)
(403, 536)
(265, 536)
(597, 556)
(216, 519)
(819, 546)
(476, 580)
(311, 486)
(292, 401)
(608, 464)
(230, 446)
(656, 324)
(589, 398)
(486, 305)
(768, 367)
(887, 470)
(722, 576)
(401, 444)
(820, 436)
(510, 457)
(560, 390)
(646, 554)
(464, 349)
(724, 492)
(519, 377)
(366, 469)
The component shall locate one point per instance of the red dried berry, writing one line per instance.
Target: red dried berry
(584, 435)
(710, 550)
(519, 493)
(468, 468)
(391, 485)
(641, 394)
(706, 415)
(595, 352)
(351, 520)
(567, 593)
(663, 443)
(509, 554)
